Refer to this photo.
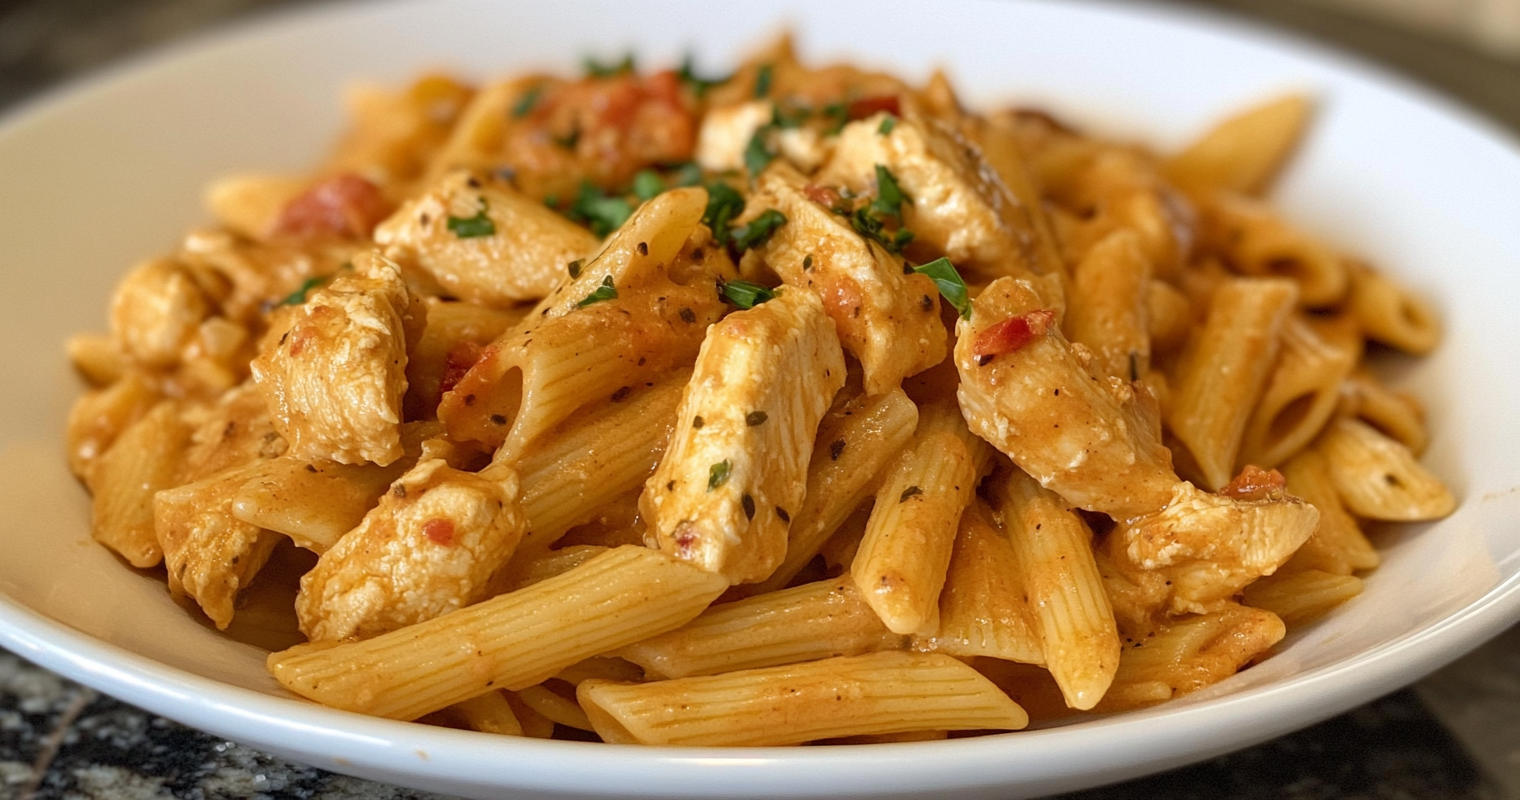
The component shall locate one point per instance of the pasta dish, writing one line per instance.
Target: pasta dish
(797, 405)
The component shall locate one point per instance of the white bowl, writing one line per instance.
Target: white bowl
(111, 170)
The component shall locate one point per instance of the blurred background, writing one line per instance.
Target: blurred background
(1453, 735)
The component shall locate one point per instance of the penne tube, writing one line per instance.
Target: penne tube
(1191, 653)
(1244, 152)
(1338, 545)
(1168, 316)
(900, 565)
(737, 463)
(1391, 314)
(143, 460)
(1256, 242)
(1379, 478)
(1096, 443)
(488, 713)
(97, 418)
(450, 343)
(511, 641)
(534, 725)
(880, 693)
(1071, 611)
(97, 358)
(553, 706)
(1302, 596)
(1108, 308)
(982, 610)
(1396, 414)
(809, 622)
(1224, 369)
(1300, 395)
(854, 443)
(582, 465)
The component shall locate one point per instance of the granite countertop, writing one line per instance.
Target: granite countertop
(1453, 735)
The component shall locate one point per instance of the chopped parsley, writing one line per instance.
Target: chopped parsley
(723, 204)
(699, 85)
(717, 475)
(525, 104)
(604, 292)
(604, 213)
(298, 296)
(596, 69)
(759, 230)
(889, 195)
(763, 81)
(744, 294)
(688, 174)
(887, 124)
(647, 184)
(471, 227)
(758, 153)
(951, 285)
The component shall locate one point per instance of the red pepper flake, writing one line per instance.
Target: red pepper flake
(826, 196)
(1255, 483)
(439, 531)
(456, 363)
(686, 540)
(867, 106)
(344, 205)
(1012, 333)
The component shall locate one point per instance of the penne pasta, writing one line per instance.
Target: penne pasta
(881, 693)
(1302, 596)
(1379, 478)
(143, 460)
(1244, 152)
(1299, 397)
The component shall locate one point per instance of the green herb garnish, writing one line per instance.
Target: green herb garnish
(597, 69)
(527, 102)
(718, 474)
(744, 294)
(763, 81)
(298, 296)
(648, 183)
(951, 285)
(688, 174)
(604, 292)
(471, 227)
(723, 204)
(887, 124)
(758, 153)
(604, 214)
(889, 195)
(759, 230)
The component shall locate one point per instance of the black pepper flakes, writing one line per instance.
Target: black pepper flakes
(807, 262)
(311, 467)
(836, 449)
(926, 303)
(911, 491)
(497, 419)
(982, 361)
(907, 268)
(688, 316)
(782, 515)
(749, 506)
(697, 254)
(399, 491)
(643, 248)
(754, 418)
(621, 394)
(697, 422)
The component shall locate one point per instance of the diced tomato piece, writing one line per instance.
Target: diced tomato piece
(439, 531)
(344, 205)
(1255, 483)
(1013, 333)
(826, 196)
(866, 106)
(456, 363)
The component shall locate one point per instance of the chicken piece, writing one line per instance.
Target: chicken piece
(1094, 441)
(886, 315)
(727, 132)
(335, 379)
(736, 466)
(210, 554)
(429, 548)
(1202, 549)
(957, 205)
(156, 310)
(263, 274)
(484, 242)
(235, 430)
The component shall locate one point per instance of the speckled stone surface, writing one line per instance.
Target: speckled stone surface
(1453, 736)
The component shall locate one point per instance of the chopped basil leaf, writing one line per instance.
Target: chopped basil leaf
(889, 196)
(723, 204)
(604, 214)
(647, 183)
(604, 292)
(758, 154)
(744, 294)
(688, 174)
(298, 296)
(763, 81)
(887, 124)
(759, 230)
(699, 85)
(527, 102)
(718, 474)
(951, 286)
(596, 69)
(469, 228)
